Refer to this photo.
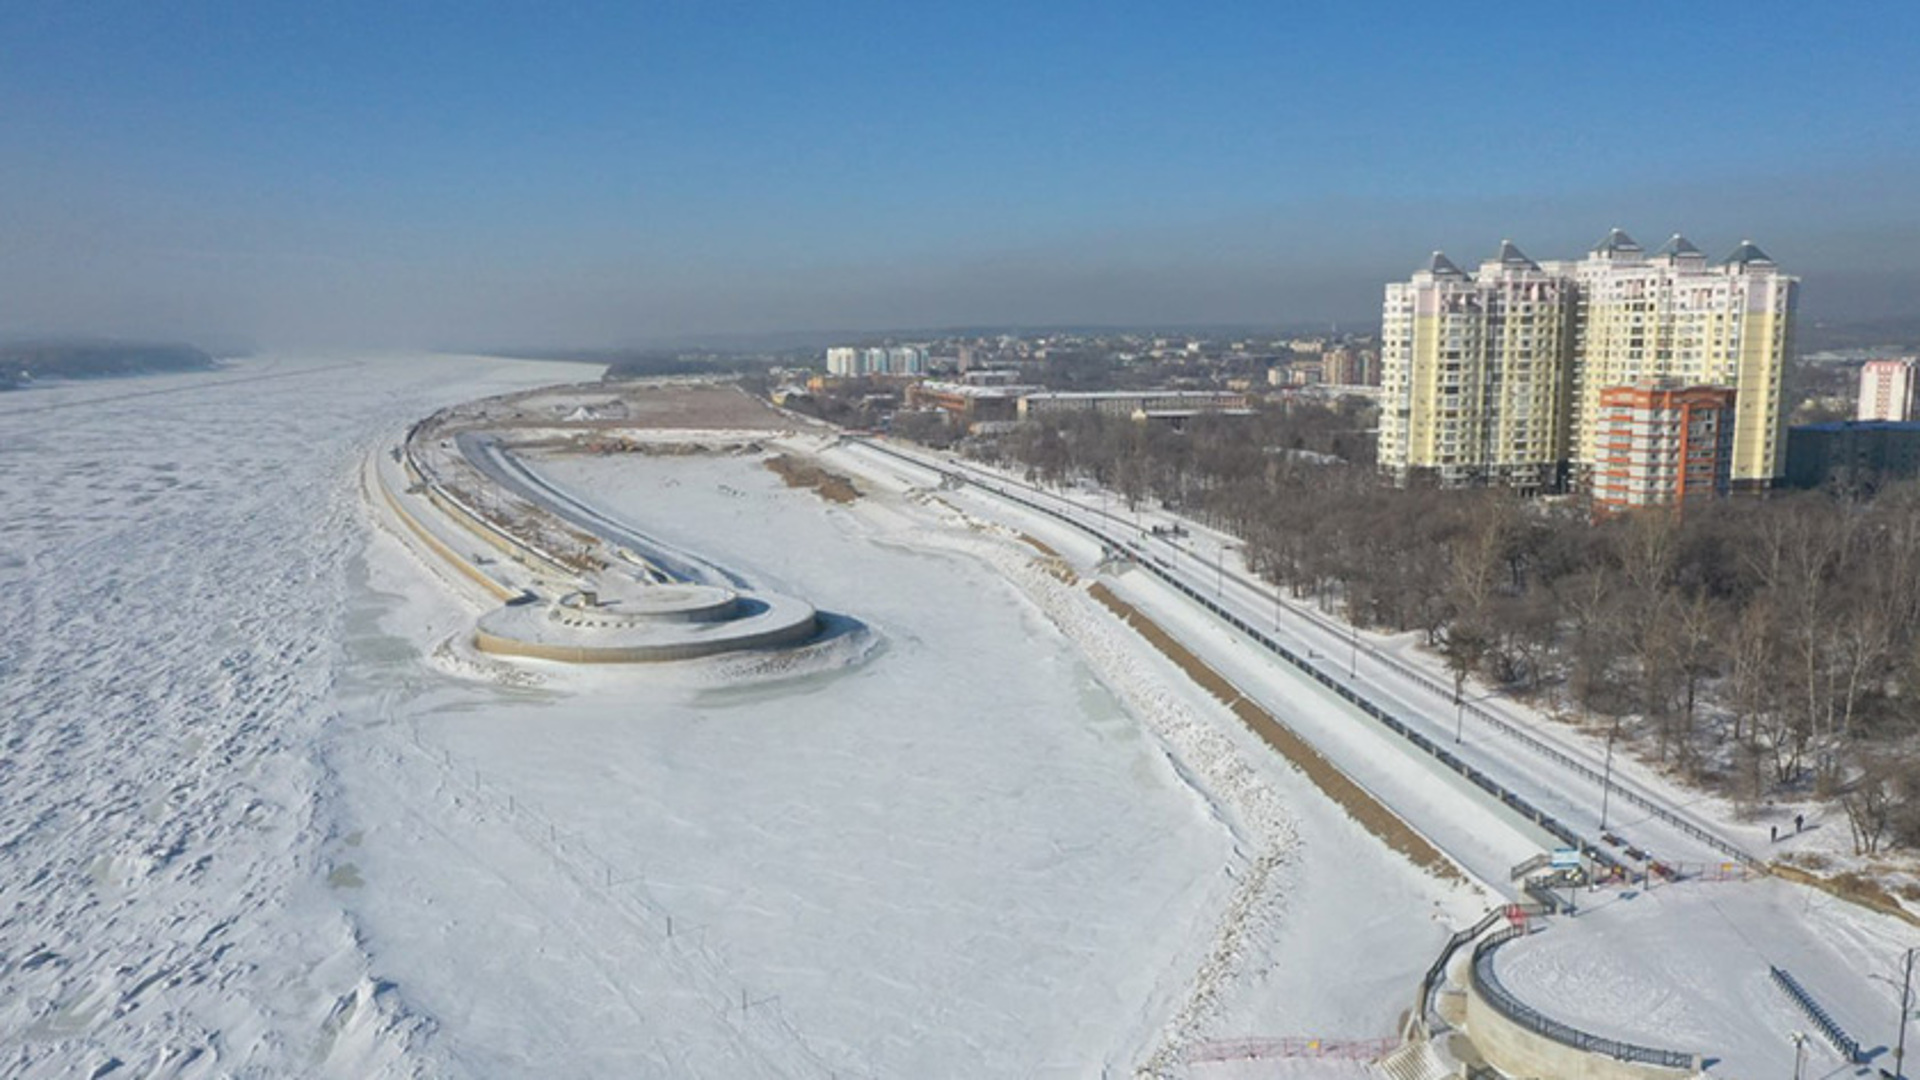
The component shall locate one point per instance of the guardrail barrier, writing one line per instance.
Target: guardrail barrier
(1512, 800)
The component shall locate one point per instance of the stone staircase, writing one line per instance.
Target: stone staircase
(1417, 1060)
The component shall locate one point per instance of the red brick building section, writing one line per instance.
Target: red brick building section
(1662, 445)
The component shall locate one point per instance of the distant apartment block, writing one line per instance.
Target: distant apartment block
(1662, 445)
(1496, 377)
(1853, 457)
(1167, 405)
(1345, 365)
(852, 361)
(1887, 390)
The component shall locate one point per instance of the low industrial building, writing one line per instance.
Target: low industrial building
(969, 403)
(1855, 457)
(1168, 405)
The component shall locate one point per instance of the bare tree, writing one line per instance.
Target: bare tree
(1872, 802)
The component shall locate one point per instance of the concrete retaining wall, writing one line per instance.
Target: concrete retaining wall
(789, 634)
(439, 547)
(486, 530)
(1529, 1055)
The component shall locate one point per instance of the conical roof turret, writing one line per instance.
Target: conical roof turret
(1748, 253)
(1679, 245)
(1511, 255)
(1617, 241)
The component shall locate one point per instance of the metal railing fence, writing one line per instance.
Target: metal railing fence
(1519, 1012)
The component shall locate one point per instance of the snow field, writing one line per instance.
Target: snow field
(1197, 749)
(172, 571)
(1350, 925)
(267, 815)
(918, 871)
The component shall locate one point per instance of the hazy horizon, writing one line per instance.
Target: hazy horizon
(358, 176)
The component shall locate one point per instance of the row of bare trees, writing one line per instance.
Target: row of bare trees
(1756, 646)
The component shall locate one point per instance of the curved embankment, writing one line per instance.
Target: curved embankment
(642, 627)
(437, 546)
(1521, 1041)
(589, 617)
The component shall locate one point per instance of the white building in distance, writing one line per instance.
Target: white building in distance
(851, 361)
(1887, 390)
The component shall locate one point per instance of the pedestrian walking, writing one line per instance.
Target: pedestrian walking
(1799, 821)
(1774, 834)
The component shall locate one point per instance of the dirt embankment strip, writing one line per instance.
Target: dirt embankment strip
(1051, 560)
(801, 473)
(1854, 888)
(1039, 545)
(1336, 785)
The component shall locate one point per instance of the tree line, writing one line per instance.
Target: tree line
(23, 362)
(1760, 648)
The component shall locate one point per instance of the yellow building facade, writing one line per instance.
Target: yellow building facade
(1473, 373)
(1675, 316)
(1496, 377)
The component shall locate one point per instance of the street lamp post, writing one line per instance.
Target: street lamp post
(1906, 1010)
(1459, 717)
(1606, 778)
(1353, 656)
(1799, 1052)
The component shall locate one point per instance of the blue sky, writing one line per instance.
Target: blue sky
(437, 173)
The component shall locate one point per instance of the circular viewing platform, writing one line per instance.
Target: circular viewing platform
(582, 586)
(637, 622)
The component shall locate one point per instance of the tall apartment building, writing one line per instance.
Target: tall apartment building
(1660, 444)
(1345, 365)
(844, 361)
(1497, 377)
(1674, 315)
(1474, 373)
(1887, 390)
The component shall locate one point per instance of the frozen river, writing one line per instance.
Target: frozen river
(173, 555)
(251, 827)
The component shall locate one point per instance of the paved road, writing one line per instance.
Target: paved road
(1555, 774)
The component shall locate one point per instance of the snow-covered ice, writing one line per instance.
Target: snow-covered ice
(172, 557)
(959, 851)
(265, 815)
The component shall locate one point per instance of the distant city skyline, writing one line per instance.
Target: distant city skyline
(614, 174)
